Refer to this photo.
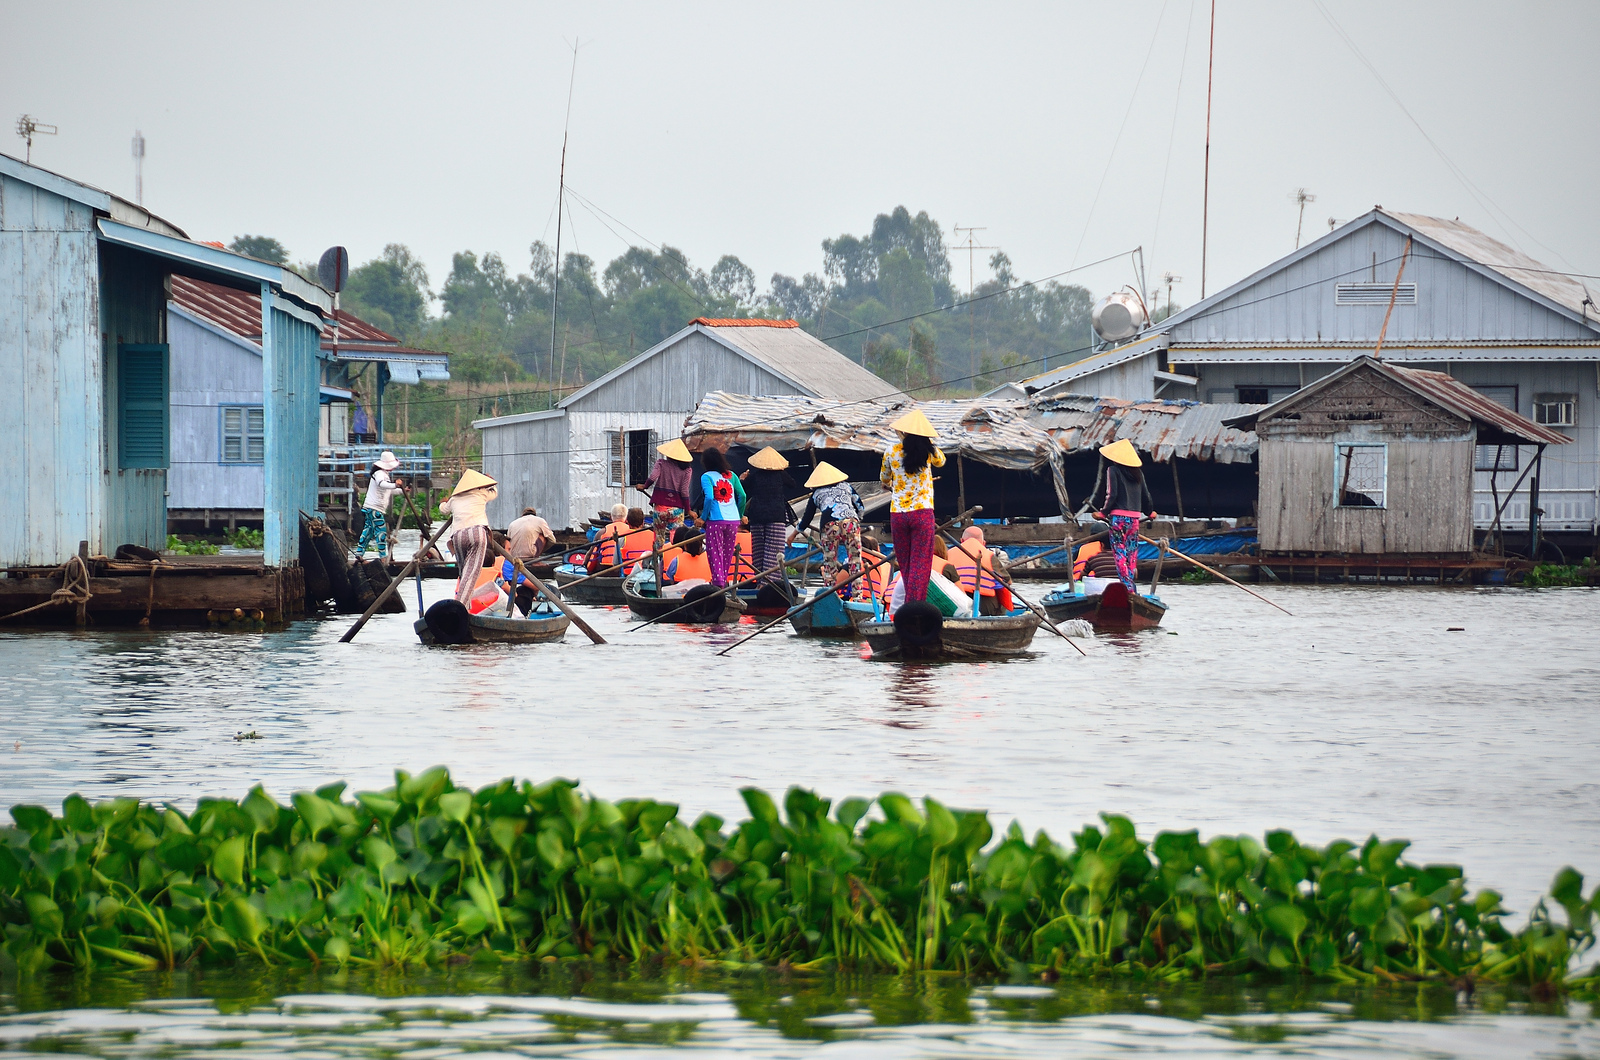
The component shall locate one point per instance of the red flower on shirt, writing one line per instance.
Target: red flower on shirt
(722, 490)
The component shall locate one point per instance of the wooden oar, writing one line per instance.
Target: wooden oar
(617, 566)
(394, 583)
(726, 589)
(1218, 573)
(1044, 616)
(815, 600)
(548, 593)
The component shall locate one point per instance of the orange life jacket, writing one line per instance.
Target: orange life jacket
(611, 548)
(969, 561)
(1081, 560)
(877, 578)
(689, 567)
(637, 542)
(744, 564)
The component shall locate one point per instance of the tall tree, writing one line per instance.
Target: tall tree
(263, 247)
(390, 291)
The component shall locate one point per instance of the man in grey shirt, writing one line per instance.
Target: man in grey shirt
(528, 535)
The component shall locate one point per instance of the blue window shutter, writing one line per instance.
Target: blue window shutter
(142, 406)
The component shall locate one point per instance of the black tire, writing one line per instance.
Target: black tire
(337, 565)
(772, 597)
(525, 597)
(918, 625)
(703, 603)
(318, 588)
(364, 593)
(136, 552)
(449, 622)
(378, 578)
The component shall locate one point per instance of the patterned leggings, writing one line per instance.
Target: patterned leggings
(766, 549)
(844, 533)
(722, 545)
(1125, 541)
(470, 546)
(913, 549)
(667, 522)
(374, 529)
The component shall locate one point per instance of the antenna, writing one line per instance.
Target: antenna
(27, 127)
(1169, 279)
(561, 196)
(971, 246)
(1205, 203)
(1301, 196)
(138, 167)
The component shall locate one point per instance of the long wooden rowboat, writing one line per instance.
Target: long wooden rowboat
(652, 606)
(986, 636)
(601, 590)
(539, 628)
(826, 618)
(1113, 609)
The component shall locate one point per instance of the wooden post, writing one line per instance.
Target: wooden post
(82, 617)
(1177, 491)
(961, 482)
(1535, 524)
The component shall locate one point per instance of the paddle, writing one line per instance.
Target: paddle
(1219, 574)
(545, 590)
(394, 583)
(615, 566)
(730, 587)
(1044, 616)
(835, 590)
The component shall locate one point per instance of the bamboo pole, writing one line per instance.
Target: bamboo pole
(548, 593)
(1218, 573)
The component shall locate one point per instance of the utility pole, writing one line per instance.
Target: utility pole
(28, 128)
(138, 167)
(561, 195)
(971, 246)
(1301, 196)
(1205, 206)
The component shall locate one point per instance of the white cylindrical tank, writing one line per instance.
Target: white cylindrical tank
(1118, 316)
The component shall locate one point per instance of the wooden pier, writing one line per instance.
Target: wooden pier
(174, 591)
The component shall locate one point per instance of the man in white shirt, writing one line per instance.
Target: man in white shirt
(528, 535)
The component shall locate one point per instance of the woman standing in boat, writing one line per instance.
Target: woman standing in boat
(725, 501)
(669, 485)
(841, 508)
(769, 486)
(469, 541)
(1121, 498)
(908, 473)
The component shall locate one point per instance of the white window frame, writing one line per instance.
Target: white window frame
(1338, 475)
(246, 433)
(1555, 410)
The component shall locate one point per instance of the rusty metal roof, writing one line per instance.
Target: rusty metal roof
(1003, 432)
(240, 312)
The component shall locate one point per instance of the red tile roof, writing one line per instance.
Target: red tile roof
(240, 312)
(734, 322)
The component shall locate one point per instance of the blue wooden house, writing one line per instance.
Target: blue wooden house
(85, 371)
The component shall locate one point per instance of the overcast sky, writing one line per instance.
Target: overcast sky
(1070, 131)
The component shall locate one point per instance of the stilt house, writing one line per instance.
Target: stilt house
(1377, 458)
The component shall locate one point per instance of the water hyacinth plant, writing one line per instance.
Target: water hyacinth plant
(426, 873)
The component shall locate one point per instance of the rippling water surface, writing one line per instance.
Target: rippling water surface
(1362, 713)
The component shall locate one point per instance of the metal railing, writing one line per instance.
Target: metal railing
(342, 469)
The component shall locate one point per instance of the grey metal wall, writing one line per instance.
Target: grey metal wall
(529, 460)
(51, 395)
(1296, 303)
(587, 466)
(675, 380)
(1429, 498)
(133, 303)
(1134, 380)
(208, 371)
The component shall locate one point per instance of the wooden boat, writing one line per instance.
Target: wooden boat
(986, 636)
(771, 605)
(602, 590)
(1114, 608)
(827, 618)
(639, 592)
(545, 623)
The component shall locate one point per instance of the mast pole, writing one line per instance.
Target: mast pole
(1205, 208)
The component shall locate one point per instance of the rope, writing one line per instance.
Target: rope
(74, 587)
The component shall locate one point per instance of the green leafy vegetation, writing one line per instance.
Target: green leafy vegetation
(1196, 576)
(197, 547)
(424, 873)
(245, 538)
(1558, 575)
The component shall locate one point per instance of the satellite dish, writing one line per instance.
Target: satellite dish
(333, 269)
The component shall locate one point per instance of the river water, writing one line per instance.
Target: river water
(1464, 720)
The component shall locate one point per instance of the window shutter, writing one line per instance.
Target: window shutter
(255, 435)
(142, 406)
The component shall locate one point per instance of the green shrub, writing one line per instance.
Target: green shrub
(247, 539)
(1557, 575)
(197, 547)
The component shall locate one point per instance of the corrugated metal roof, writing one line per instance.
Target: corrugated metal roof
(743, 322)
(808, 361)
(239, 312)
(998, 431)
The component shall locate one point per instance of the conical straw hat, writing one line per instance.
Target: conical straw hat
(914, 422)
(1121, 452)
(825, 475)
(769, 459)
(675, 450)
(472, 480)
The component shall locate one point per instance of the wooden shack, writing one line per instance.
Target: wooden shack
(1377, 459)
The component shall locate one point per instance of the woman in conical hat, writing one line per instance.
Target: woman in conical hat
(841, 508)
(469, 540)
(1122, 499)
(670, 486)
(907, 471)
(769, 487)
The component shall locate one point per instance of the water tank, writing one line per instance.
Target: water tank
(1118, 316)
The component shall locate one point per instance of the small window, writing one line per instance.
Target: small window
(1262, 395)
(1496, 458)
(1360, 476)
(1555, 410)
(615, 462)
(1374, 294)
(244, 434)
(641, 455)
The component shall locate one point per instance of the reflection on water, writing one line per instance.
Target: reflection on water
(493, 1014)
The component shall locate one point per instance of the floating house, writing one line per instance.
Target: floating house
(1377, 459)
(1520, 333)
(583, 455)
(218, 465)
(86, 371)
